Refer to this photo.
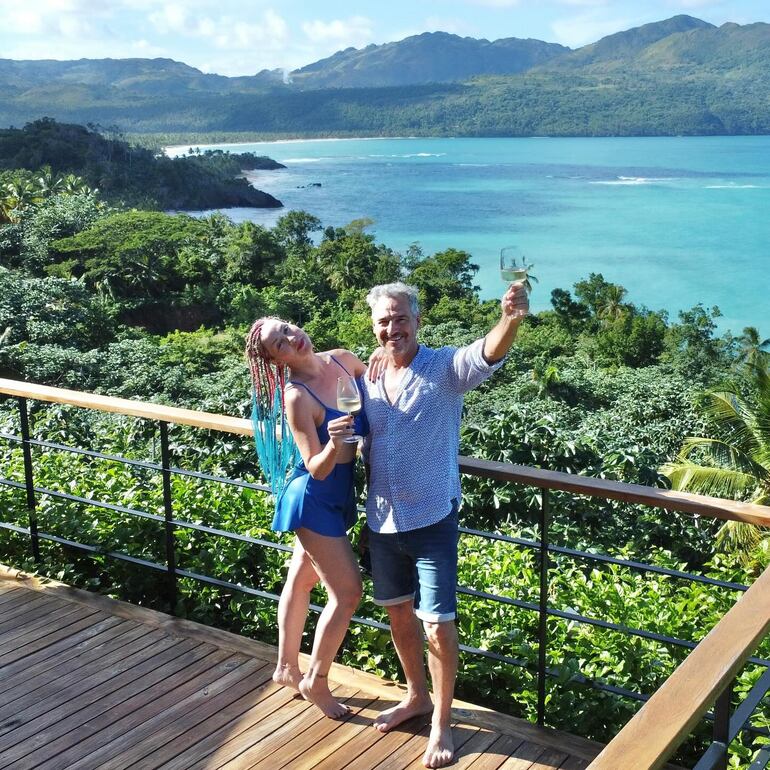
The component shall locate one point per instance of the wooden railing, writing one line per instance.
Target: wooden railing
(653, 734)
(658, 728)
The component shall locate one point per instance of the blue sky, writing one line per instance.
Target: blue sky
(241, 37)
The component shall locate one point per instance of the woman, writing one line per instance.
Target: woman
(317, 502)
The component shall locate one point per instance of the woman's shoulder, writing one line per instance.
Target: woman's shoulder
(349, 360)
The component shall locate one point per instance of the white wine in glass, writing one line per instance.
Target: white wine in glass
(514, 267)
(348, 400)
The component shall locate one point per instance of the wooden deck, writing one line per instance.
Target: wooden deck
(87, 682)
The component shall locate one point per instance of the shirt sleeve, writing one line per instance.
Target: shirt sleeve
(470, 368)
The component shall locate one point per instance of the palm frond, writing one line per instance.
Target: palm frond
(724, 455)
(735, 419)
(738, 537)
(704, 480)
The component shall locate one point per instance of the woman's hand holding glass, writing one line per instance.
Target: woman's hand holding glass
(340, 431)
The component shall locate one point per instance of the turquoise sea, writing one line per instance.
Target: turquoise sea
(676, 220)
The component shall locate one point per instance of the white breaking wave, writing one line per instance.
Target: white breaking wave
(734, 187)
(635, 180)
(302, 160)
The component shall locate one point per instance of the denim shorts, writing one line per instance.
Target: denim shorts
(419, 565)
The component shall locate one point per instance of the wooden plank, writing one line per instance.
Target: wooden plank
(550, 759)
(387, 744)
(462, 736)
(657, 729)
(573, 763)
(267, 747)
(316, 735)
(477, 747)
(71, 730)
(59, 700)
(343, 737)
(171, 725)
(384, 745)
(523, 757)
(65, 649)
(142, 704)
(167, 623)
(497, 753)
(53, 670)
(14, 641)
(292, 716)
(8, 593)
(15, 614)
(60, 634)
(243, 714)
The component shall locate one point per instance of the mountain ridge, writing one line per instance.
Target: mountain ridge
(678, 76)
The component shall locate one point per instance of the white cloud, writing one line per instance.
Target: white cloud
(580, 30)
(496, 3)
(224, 32)
(356, 31)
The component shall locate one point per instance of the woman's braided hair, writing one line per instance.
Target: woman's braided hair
(275, 445)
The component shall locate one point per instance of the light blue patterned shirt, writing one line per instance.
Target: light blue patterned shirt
(413, 443)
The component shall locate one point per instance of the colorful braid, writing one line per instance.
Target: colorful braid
(276, 449)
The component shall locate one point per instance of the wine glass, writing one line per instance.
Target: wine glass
(348, 400)
(514, 268)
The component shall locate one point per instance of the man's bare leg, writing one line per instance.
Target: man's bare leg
(442, 661)
(408, 638)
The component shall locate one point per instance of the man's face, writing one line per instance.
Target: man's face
(395, 327)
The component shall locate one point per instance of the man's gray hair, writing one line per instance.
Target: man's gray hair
(394, 291)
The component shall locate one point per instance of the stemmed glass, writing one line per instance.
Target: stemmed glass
(348, 400)
(514, 267)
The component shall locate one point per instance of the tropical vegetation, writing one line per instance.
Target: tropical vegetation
(154, 306)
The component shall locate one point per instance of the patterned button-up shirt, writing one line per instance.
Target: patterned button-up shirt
(413, 443)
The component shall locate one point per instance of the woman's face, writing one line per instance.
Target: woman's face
(284, 342)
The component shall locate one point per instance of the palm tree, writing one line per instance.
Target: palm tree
(752, 351)
(612, 306)
(735, 464)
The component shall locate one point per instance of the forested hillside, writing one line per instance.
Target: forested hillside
(679, 76)
(124, 173)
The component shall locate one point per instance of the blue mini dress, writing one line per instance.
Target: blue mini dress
(325, 506)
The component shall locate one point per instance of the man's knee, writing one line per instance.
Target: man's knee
(441, 635)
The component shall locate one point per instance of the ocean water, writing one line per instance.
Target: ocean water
(677, 220)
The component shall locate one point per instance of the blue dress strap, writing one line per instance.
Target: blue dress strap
(339, 364)
(302, 384)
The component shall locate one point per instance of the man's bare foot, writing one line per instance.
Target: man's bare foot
(287, 675)
(317, 692)
(441, 748)
(407, 709)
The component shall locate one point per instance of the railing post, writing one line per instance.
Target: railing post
(165, 460)
(29, 478)
(543, 619)
(722, 723)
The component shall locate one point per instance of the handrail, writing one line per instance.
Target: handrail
(658, 728)
(672, 500)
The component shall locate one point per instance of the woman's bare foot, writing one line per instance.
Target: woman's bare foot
(317, 692)
(441, 748)
(288, 675)
(408, 708)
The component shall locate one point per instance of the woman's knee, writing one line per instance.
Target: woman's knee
(348, 595)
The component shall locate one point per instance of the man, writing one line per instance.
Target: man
(414, 408)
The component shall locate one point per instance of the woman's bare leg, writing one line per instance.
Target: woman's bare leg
(335, 565)
(292, 613)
